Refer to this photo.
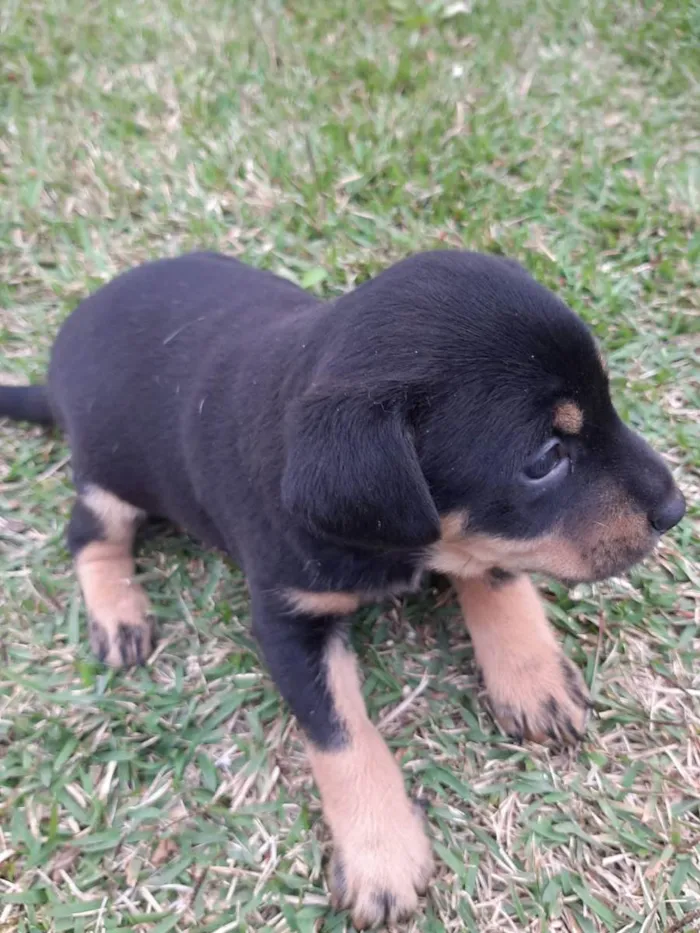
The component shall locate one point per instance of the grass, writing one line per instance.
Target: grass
(324, 140)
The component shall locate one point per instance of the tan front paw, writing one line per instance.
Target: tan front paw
(539, 697)
(122, 633)
(381, 866)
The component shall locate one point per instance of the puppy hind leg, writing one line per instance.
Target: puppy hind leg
(101, 538)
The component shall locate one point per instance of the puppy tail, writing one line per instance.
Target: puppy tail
(26, 403)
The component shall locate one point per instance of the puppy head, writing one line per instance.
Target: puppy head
(459, 400)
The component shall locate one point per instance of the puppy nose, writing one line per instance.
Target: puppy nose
(669, 513)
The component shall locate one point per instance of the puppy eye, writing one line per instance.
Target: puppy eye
(546, 460)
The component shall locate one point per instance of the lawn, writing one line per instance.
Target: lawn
(324, 139)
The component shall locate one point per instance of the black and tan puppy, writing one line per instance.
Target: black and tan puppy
(449, 415)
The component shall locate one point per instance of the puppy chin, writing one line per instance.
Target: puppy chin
(575, 561)
(613, 559)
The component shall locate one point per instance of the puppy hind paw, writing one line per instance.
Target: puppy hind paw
(122, 640)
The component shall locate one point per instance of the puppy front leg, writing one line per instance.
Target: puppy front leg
(382, 858)
(534, 690)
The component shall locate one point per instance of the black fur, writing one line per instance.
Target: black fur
(499, 577)
(293, 648)
(319, 443)
(83, 528)
(26, 403)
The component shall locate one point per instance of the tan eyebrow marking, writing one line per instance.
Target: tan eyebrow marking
(568, 417)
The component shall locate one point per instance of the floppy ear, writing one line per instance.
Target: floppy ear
(352, 473)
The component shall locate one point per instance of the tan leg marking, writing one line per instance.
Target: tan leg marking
(339, 603)
(535, 692)
(382, 858)
(121, 630)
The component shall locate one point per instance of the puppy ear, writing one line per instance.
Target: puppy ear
(352, 473)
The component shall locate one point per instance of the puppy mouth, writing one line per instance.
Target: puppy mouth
(581, 561)
(572, 555)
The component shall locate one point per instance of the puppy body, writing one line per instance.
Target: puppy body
(450, 414)
(165, 381)
(173, 383)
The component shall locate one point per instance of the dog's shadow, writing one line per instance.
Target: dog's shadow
(398, 640)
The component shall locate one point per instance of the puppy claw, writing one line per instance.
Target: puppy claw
(120, 643)
(379, 881)
(337, 883)
(134, 642)
(421, 805)
(546, 700)
(99, 642)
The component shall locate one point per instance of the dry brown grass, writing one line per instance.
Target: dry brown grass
(323, 143)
